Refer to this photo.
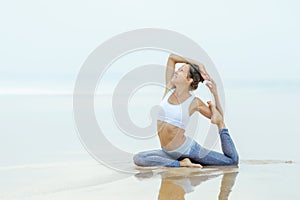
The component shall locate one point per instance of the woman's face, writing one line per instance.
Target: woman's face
(181, 75)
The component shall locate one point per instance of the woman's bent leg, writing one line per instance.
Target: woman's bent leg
(204, 156)
(155, 158)
(228, 147)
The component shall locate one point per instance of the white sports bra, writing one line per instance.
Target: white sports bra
(175, 114)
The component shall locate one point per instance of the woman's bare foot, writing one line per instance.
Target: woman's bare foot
(187, 163)
(216, 117)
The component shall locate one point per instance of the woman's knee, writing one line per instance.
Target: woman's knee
(235, 160)
(138, 159)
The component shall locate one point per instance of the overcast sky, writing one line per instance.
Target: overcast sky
(44, 43)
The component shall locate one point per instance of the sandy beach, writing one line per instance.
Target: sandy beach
(253, 179)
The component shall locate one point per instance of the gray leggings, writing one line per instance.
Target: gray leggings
(192, 150)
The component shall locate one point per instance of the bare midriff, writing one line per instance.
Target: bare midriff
(171, 137)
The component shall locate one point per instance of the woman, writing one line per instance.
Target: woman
(177, 106)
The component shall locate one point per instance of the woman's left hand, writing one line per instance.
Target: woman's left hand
(211, 84)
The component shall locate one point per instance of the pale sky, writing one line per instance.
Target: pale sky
(44, 43)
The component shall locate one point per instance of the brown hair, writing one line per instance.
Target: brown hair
(195, 75)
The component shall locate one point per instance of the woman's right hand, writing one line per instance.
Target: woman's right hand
(203, 71)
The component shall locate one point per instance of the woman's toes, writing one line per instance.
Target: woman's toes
(196, 165)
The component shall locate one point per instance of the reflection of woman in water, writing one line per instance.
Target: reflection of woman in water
(177, 106)
(175, 185)
(178, 187)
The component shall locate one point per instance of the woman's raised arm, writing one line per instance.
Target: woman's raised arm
(212, 86)
(170, 70)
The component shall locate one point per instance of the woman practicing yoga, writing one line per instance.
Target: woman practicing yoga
(178, 104)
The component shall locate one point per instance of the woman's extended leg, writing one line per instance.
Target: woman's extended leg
(155, 158)
(161, 158)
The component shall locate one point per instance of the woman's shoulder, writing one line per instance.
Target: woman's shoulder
(197, 101)
(168, 91)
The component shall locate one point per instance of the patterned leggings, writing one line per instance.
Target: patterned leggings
(193, 151)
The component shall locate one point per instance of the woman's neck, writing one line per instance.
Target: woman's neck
(181, 92)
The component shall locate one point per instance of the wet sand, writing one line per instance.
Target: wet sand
(87, 179)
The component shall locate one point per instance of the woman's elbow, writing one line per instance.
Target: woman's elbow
(206, 113)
